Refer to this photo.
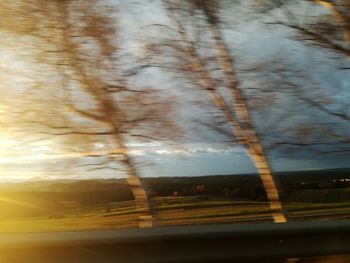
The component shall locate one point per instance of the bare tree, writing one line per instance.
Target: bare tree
(330, 29)
(195, 65)
(327, 27)
(80, 42)
(315, 120)
(123, 111)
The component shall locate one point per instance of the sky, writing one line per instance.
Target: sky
(202, 151)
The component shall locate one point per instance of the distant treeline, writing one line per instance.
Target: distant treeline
(249, 186)
(305, 186)
(238, 187)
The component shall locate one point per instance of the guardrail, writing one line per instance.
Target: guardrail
(210, 243)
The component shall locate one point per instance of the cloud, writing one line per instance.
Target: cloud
(189, 150)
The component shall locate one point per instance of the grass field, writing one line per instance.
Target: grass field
(168, 211)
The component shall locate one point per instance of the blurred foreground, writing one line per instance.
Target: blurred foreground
(108, 204)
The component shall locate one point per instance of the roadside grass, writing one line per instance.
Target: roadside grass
(169, 211)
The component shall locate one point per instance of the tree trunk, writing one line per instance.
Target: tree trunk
(252, 142)
(240, 123)
(111, 116)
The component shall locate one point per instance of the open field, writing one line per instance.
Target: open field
(169, 211)
(66, 205)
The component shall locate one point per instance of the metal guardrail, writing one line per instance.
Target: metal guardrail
(210, 243)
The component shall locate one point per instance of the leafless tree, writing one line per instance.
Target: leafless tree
(329, 28)
(315, 119)
(79, 40)
(197, 62)
(326, 27)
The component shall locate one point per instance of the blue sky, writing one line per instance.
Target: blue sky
(202, 151)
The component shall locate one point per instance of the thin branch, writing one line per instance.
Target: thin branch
(88, 115)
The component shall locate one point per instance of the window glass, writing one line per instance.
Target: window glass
(127, 114)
